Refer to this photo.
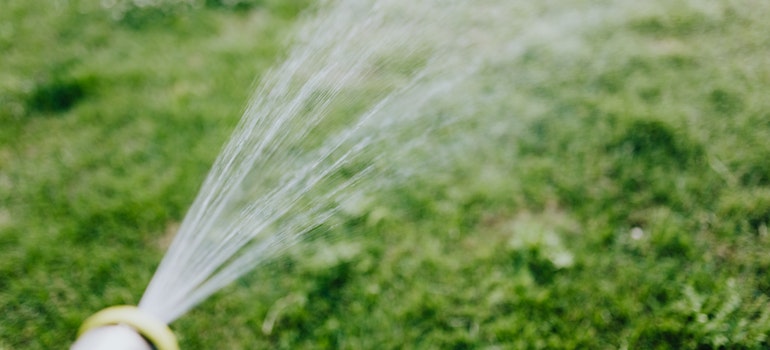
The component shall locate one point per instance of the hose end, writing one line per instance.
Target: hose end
(124, 327)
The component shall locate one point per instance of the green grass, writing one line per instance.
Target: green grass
(629, 209)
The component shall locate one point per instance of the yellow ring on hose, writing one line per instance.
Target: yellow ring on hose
(147, 326)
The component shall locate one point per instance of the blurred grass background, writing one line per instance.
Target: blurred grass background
(628, 210)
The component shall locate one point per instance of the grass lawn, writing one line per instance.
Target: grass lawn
(627, 208)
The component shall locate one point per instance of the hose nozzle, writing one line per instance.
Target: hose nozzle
(124, 328)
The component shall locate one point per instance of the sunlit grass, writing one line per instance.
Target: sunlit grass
(628, 208)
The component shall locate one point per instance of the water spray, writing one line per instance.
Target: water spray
(124, 328)
(275, 182)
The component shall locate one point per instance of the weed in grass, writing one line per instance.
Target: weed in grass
(57, 95)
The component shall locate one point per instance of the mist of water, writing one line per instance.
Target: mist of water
(353, 107)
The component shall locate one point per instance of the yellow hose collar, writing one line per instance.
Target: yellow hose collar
(155, 331)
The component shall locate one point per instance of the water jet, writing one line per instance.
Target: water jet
(305, 143)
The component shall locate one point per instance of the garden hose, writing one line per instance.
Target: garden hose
(115, 325)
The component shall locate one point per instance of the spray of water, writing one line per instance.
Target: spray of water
(351, 108)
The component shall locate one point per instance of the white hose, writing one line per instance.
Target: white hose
(117, 337)
(124, 328)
